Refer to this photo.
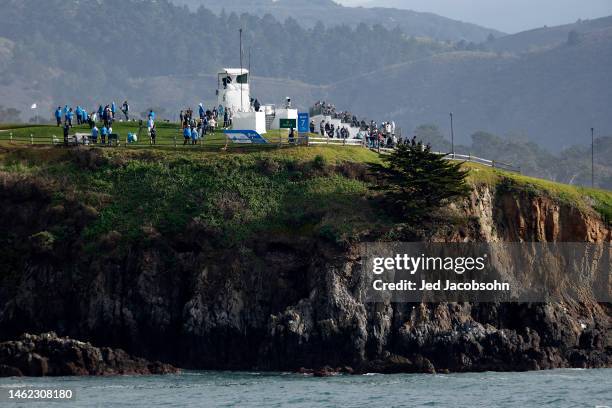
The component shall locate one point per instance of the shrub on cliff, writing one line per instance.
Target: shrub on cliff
(416, 181)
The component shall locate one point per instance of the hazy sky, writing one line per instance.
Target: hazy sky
(506, 15)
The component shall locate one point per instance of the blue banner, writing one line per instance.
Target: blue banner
(245, 136)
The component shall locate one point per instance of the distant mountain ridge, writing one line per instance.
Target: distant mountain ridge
(308, 13)
(546, 37)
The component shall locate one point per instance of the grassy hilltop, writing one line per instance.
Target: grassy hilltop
(134, 192)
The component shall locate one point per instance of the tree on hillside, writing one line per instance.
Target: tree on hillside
(417, 181)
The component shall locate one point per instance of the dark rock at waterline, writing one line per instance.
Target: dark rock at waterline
(50, 355)
(393, 364)
(326, 371)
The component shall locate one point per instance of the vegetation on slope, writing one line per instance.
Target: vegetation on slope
(134, 194)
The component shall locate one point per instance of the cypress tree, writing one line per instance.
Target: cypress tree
(416, 181)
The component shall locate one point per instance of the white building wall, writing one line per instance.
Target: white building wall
(250, 121)
(284, 114)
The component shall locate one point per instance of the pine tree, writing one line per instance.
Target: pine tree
(417, 181)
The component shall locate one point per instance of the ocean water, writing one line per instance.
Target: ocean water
(556, 388)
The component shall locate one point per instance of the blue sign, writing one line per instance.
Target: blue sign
(303, 122)
(245, 136)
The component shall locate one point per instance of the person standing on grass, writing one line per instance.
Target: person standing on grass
(150, 124)
(151, 115)
(201, 111)
(153, 134)
(58, 115)
(69, 116)
(186, 135)
(104, 133)
(101, 112)
(125, 108)
(113, 109)
(66, 131)
(194, 135)
(204, 125)
(291, 136)
(94, 134)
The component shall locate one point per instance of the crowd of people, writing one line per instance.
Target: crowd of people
(104, 116)
(195, 128)
(372, 134)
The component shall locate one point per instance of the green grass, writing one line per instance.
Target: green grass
(169, 136)
(583, 198)
(234, 194)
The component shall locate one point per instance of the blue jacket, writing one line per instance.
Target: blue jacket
(94, 132)
(194, 134)
(113, 108)
(58, 114)
(104, 131)
(187, 132)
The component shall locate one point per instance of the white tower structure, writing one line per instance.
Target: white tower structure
(233, 89)
(233, 93)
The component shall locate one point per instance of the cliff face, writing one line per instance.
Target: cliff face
(282, 302)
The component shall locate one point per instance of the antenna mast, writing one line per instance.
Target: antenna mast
(241, 73)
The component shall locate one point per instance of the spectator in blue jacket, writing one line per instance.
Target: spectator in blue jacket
(151, 114)
(94, 134)
(58, 115)
(186, 135)
(194, 135)
(79, 115)
(113, 109)
(104, 133)
(69, 116)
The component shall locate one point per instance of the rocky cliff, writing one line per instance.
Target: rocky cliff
(50, 355)
(282, 301)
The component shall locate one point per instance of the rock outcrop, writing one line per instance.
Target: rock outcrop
(50, 355)
(279, 303)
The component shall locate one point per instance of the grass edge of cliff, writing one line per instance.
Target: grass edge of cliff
(135, 194)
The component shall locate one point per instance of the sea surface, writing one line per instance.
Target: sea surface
(556, 388)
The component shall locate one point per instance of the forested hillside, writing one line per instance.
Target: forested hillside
(158, 54)
(86, 50)
(551, 97)
(330, 13)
